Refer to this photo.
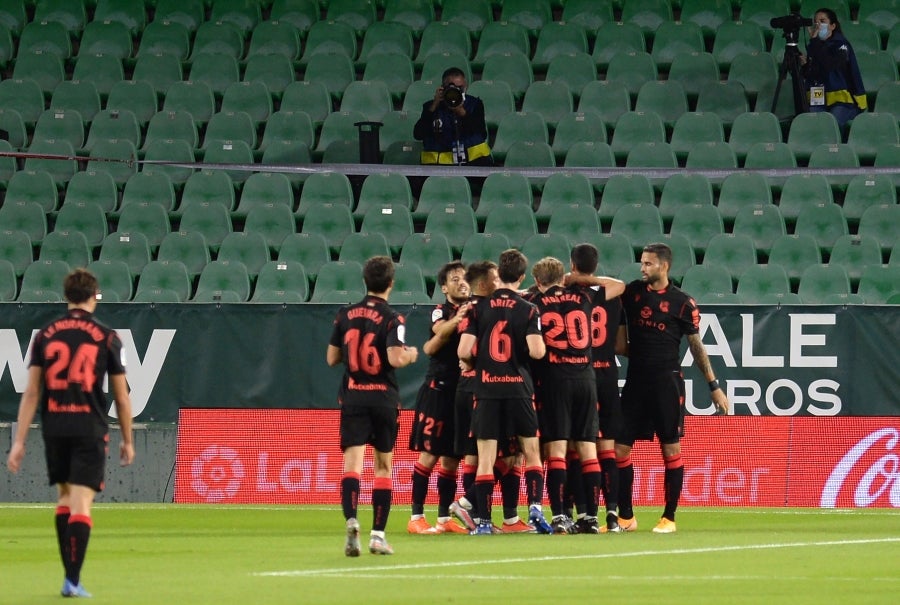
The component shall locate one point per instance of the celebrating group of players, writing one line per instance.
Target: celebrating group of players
(517, 380)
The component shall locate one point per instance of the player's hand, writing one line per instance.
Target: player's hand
(720, 400)
(465, 366)
(126, 454)
(16, 455)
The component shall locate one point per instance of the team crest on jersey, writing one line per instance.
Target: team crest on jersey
(646, 312)
(664, 306)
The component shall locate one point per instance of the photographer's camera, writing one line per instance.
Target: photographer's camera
(453, 95)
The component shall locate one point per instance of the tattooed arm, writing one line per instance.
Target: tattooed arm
(701, 360)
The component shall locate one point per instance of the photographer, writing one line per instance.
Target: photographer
(830, 70)
(452, 127)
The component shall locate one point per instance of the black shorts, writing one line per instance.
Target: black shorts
(567, 409)
(77, 460)
(500, 418)
(434, 424)
(653, 404)
(464, 442)
(610, 404)
(373, 425)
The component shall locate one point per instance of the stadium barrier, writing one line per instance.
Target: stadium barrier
(292, 457)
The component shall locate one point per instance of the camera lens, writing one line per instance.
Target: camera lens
(453, 95)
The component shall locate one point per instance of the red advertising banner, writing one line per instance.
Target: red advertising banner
(292, 457)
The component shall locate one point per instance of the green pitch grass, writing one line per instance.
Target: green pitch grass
(170, 554)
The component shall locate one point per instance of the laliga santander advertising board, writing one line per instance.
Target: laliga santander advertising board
(292, 457)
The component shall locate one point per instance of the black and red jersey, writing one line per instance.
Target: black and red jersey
(364, 331)
(500, 324)
(656, 320)
(76, 352)
(443, 366)
(566, 319)
(467, 377)
(606, 317)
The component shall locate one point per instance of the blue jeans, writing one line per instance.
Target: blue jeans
(842, 113)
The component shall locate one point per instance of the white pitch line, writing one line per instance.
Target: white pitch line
(517, 560)
(349, 573)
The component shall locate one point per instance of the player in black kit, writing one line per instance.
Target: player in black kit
(69, 359)
(605, 319)
(369, 338)
(657, 315)
(503, 333)
(434, 429)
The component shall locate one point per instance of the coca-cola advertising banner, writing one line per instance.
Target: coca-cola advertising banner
(772, 361)
(292, 457)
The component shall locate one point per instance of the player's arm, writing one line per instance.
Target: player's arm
(119, 387)
(334, 355)
(400, 357)
(701, 361)
(536, 346)
(464, 350)
(443, 330)
(614, 287)
(28, 405)
(622, 341)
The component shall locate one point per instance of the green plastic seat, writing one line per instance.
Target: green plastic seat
(248, 248)
(673, 38)
(514, 68)
(809, 130)
(763, 224)
(281, 281)
(575, 222)
(225, 281)
(698, 223)
(32, 186)
(703, 282)
(878, 284)
(633, 69)
(393, 221)
(114, 278)
(498, 37)
(81, 97)
(733, 252)
(825, 222)
(819, 282)
(309, 249)
(131, 248)
(187, 247)
(640, 223)
(795, 253)
(333, 221)
(759, 282)
(165, 37)
(621, 190)
(338, 276)
(70, 247)
(216, 70)
(86, 218)
(211, 219)
(42, 277)
(484, 246)
(613, 38)
(455, 221)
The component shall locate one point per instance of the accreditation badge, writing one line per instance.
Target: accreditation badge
(816, 96)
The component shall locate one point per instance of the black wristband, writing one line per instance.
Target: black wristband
(714, 385)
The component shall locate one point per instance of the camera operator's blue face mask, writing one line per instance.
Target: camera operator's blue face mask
(823, 31)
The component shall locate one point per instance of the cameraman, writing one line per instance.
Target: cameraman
(452, 127)
(831, 71)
